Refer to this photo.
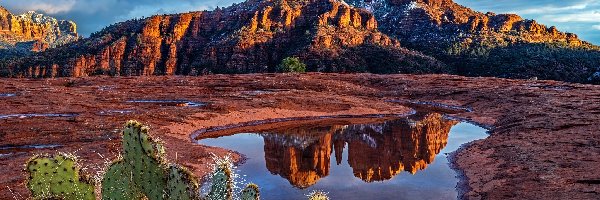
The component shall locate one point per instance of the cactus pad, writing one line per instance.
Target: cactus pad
(251, 192)
(58, 177)
(145, 158)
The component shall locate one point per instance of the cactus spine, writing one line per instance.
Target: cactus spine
(58, 177)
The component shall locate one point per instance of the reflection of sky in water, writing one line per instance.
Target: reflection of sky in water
(35, 115)
(7, 151)
(170, 102)
(7, 95)
(437, 181)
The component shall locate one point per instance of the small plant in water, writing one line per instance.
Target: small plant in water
(318, 195)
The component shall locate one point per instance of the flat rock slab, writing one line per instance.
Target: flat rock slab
(545, 142)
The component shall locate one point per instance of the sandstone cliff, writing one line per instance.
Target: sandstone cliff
(32, 31)
(250, 37)
(378, 36)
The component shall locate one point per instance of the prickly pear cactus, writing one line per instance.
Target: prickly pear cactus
(143, 172)
(182, 184)
(251, 192)
(58, 177)
(318, 195)
(222, 184)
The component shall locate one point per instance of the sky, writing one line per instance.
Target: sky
(577, 16)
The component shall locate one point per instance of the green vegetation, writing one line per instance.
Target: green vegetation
(58, 177)
(291, 64)
(374, 59)
(142, 173)
(181, 184)
(546, 61)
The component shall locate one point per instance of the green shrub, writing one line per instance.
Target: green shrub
(291, 64)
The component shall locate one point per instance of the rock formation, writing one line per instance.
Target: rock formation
(445, 21)
(378, 36)
(32, 31)
(253, 36)
(485, 44)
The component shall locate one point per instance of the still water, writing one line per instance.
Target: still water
(391, 158)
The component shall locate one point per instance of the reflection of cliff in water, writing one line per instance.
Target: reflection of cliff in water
(300, 155)
(376, 152)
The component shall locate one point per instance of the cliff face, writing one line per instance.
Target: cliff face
(34, 32)
(253, 36)
(376, 152)
(485, 44)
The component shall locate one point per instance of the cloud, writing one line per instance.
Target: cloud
(49, 7)
(590, 16)
(554, 9)
(597, 27)
(93, 15)
(148, 10)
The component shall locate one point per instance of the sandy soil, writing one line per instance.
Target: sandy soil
(544, 143)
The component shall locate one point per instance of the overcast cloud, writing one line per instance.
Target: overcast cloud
(577, 16)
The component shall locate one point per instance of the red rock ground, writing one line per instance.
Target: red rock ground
(544, 144)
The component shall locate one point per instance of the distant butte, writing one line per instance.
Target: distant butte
(31, 31)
